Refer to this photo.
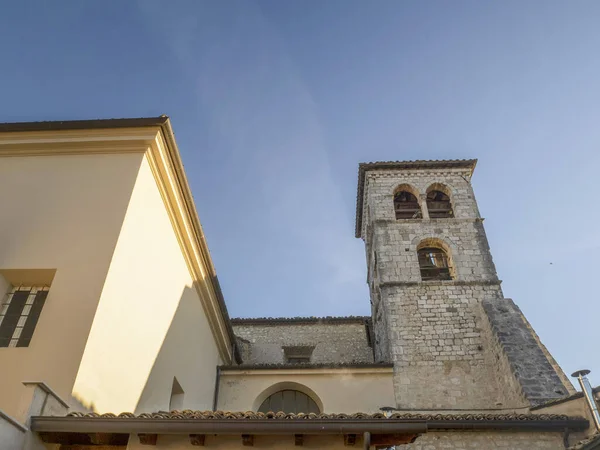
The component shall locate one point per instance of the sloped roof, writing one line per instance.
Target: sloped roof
(297, 366)
(299, 320)
(589, 443)
(53, 429)
(251, 415)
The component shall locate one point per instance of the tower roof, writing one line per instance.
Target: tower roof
(363, 168)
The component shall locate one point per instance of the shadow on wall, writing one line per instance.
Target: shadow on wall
(187, 359)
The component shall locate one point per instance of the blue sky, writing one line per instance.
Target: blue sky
(274, 104)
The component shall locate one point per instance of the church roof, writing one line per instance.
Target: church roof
(363, 168)
(589, 443)
(197, 424)
(296, 366)
(299, 320)
(251, 415)
(558, 401)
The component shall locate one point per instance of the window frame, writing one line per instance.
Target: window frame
(285, 394)
(444, 272)
(20, 314)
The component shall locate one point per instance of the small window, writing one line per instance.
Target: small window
(438, 205)
(298, 354)
(19, 314)
(434, 264)
(406, 206)
(289, 401)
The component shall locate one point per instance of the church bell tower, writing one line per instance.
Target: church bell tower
(438, 310)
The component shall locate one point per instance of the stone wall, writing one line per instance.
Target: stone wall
(540, 380)
(487, 441)
(442, 354)
(335, 340)
(447, 354)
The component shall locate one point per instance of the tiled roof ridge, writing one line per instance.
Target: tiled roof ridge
(558, 401)
(299, 319)
(589, 442)
(417, 162)
(340, 365)
(410, 164)
(251, 415)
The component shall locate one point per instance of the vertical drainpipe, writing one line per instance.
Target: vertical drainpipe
(588, 394)
(366, 440)
(217, 382)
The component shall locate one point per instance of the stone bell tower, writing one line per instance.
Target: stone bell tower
(438, 309)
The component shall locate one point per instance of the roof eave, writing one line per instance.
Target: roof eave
(41, 424)
(92, 124)
(363, 168)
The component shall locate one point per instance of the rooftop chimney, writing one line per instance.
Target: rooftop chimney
(589, 395)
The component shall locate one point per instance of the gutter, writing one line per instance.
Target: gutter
(281, 427)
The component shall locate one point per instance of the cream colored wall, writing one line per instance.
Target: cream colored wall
(337, 391)
(150, 325)
(60, 212)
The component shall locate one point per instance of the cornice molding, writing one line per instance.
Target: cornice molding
(277, 371)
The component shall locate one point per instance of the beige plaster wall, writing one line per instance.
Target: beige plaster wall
(65, 213)
(335, 391)
(150, 325)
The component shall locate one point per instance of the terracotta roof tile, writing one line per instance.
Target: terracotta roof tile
(277, 366)
(251, 415)
(560, 400)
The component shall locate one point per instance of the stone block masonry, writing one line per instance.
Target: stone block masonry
(453, 344)
(441, 349)
(540, 377)
(336, 340)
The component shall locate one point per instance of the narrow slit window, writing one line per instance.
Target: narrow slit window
(19, 314)
(298, 354)
(406, 206)
(438, 205)
(434, 264)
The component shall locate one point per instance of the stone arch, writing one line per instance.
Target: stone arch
(440, 202)
(286, 385)
(407, 202)
(444, 260)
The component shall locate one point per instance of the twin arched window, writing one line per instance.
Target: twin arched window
(289, 401)
(406, 204)
(438, 205)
